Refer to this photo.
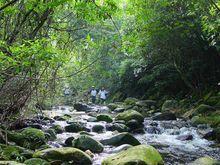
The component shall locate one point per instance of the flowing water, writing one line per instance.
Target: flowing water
(163, 135)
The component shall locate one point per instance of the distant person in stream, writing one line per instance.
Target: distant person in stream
(102, 95)
(93, 94)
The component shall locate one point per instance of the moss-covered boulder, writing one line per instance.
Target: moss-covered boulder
(50, 134)
(31, 138)
(129, 115)
(117, 127)
(10, 163)
(68, 141)
(205, 161)
(85, 142)
(64, 154)
(98, 128)
(104, 117)
(36, 161)
(165, 116)
(57, 128)
(138, 155)
(130, 101)
(75, 127)
(9, 152)
(119, 139)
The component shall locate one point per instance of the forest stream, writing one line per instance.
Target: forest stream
(177, 141)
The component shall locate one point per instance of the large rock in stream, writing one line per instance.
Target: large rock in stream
(64, 154)
(85, 142)
(165, 116)
(81, 107)
(205, 161)
(104, 117)
(130, 115)
(119, 139)
(75, 127)
(31, 138)
(138, 155)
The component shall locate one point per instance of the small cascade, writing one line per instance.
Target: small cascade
(177, 141)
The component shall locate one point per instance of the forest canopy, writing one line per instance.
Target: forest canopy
(139, 48)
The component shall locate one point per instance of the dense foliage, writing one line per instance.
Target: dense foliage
(147, 49)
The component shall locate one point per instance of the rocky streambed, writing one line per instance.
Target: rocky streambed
(92, 134)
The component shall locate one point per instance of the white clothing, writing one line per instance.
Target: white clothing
(102, 94)
(93, 92)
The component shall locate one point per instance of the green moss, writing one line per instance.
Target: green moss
(36, 161)
(205, 161)
(14, 153)
(85, 142)
(32, 138)
(141, 154)
(213, 120)
(129, 115)
(104, 117)
(119, 139)
(64, 154)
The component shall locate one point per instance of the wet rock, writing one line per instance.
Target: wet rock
(165, 116)
(135, 126)
(31, 138)
(169, 105)
(104, 117)
(57, 128)
(118, 110)
(89, 153)
(205, 161)
(213, 135)
(81, 107)
(138, 155)
(119, 139)
(85, 142)
(121, 148)
(51, 134)
(64, 154)
(92, 119)
(117, 127)
(98, 128)
(68, 141)
(59, 118)
(36, 161)
(129, 115)
(75, 127)
(185, 137)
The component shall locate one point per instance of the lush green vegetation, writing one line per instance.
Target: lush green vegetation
(143, 49)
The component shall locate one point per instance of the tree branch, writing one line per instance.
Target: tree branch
(8, 4)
